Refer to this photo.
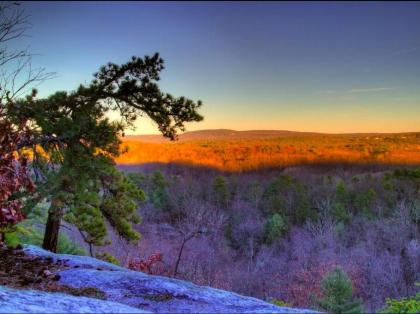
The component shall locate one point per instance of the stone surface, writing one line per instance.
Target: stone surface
(154, 293)
(32, 301)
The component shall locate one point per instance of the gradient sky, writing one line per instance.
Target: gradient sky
(305, 66)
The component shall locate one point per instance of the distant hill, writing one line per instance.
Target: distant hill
(226, 134)
(219, 134)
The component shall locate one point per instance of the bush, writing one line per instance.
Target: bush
(153, 265)
(279, 303)
(31, 231)
(404, 305)
(28, 235)
(108, 258)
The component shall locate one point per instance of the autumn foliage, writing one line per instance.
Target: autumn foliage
(246, 154)
(14, 175)
(153, 265)
(307, 282)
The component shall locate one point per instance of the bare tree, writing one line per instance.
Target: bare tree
(17, 73)
(197, 220)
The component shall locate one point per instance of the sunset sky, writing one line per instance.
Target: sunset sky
(306, 66)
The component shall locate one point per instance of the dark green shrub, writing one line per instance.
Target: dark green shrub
(337, 293)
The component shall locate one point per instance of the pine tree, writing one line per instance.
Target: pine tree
(275, 228)
(159, 194)
(74, 144)
(338, 294)
(221, 192)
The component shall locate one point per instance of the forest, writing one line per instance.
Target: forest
(276, 234)
(309, 220)
(271, 234)
(253, 151)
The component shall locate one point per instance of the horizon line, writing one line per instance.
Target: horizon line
(281, 130)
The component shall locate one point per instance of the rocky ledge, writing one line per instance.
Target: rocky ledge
(119, 290)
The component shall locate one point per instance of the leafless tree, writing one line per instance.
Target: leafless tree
(197, 220)
(17, 73)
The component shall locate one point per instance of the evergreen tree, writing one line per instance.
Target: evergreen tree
(338, 294)
(221, 192)
(159, 194)
(341, 204)
(273, 199)
(74, 144)
(274, 228)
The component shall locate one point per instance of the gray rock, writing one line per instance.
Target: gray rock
(72, 260)
(155, 293)
(31, 301)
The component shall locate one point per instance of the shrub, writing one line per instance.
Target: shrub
(153, 265)
(30, 231)
(25, 233)
(279, 302)
(405, 305)
(108, 258)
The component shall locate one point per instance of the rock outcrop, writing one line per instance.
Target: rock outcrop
(33, 301)
(127, 291)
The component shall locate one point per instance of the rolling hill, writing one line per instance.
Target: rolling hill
(219, 134)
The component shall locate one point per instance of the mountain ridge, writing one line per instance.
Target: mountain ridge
(219, 134)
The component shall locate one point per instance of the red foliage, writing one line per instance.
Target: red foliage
(307, 282)
(14, 174)
(153, 265)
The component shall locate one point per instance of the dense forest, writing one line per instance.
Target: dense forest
(275, 234)
(252, 150)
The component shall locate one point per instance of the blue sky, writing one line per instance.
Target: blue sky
(307, 66)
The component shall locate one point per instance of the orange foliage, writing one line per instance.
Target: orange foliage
(252, 154)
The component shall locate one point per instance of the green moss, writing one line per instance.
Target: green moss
(108, 258)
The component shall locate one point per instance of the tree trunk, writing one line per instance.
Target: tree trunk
(87, 242)
(179, 257)
(51, 231)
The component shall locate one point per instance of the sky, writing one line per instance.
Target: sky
(305, 66)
